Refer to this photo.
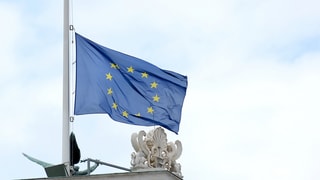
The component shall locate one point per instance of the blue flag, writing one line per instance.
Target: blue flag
(129, 89)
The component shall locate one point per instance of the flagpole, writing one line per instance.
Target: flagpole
(66, 90)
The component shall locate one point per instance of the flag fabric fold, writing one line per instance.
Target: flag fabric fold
(129, 89)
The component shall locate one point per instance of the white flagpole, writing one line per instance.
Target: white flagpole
(66, 90)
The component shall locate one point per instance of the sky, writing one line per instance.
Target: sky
(252, 105)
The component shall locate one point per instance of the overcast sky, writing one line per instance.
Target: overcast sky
(252, 106)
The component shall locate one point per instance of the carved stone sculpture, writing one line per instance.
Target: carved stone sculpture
(153, 150)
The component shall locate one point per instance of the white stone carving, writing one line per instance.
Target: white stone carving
(153, 150)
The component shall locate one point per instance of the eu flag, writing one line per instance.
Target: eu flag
(129, 89)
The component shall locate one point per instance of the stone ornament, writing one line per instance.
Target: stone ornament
(153, 150)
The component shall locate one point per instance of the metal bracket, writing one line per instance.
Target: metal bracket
(71, 28)
(103, 163)
(71, 118)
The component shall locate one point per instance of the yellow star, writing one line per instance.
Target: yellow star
(156, 98)
(130, 69)
(154, 85)
(114, 106)
(110, 91)
(144, 75)
(150, 110)
(109, 76)
(138, 114)
(125, 114)
(115, 66)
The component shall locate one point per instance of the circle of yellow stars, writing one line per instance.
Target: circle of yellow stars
(153, 85)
